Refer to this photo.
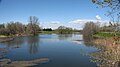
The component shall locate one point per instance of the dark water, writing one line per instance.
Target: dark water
(62, 50)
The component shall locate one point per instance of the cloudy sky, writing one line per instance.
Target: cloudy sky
(52, 13)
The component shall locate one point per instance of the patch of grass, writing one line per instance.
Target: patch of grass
(2, 36)
(48, 32)
(105, 34)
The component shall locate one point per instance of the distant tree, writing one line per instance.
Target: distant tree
(2, 26)
(11, 27)
(47, 29)
(33, 25)
(20, 28)
(15, 28)
(64, 30)
(3, 30)
(90, 28)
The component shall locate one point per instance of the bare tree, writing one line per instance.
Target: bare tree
(11, 28)
(33, 25)
(113, 13)
(3, 30)
(20, 28)
(15, 28)
(90, 28)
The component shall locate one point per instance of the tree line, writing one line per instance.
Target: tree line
(32, 28)
(17, 28)
(64, 30)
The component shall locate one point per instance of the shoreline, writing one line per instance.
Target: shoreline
(6, 39)
(10, 38)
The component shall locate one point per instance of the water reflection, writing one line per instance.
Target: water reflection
(64, 36)
(33, 44)
(88, 41)
(62, 53)
(16, 43)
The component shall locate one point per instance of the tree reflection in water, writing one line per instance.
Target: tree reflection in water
(16, 43)
(33, 43)
(64, 36)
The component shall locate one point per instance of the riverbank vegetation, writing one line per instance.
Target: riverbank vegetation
(59, 30)
(103, 31)
(108, 36)
(19, 29)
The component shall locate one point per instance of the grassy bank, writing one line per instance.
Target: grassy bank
(55, 32)
(3, 36)
(105, 34)
(48, 32)
(107, 38)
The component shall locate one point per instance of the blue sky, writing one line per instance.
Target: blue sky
(51, 13)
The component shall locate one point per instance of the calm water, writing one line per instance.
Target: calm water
(62, 50)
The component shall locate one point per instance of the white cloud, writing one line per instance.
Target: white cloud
(81, 21)
(55, 22)
(78, 21)
(52, 24)
(75, 24)
(98, 17)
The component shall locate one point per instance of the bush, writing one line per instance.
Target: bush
(90, 29)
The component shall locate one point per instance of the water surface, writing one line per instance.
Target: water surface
(62, 50)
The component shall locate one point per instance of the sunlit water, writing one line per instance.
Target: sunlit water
(62, 50)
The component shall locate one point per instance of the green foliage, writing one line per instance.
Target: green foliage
(64, 30)
(48, 32)
(47, 29)
(106, 34)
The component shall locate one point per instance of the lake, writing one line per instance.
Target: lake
(62, 50)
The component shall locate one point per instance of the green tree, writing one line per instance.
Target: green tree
(64, 30)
